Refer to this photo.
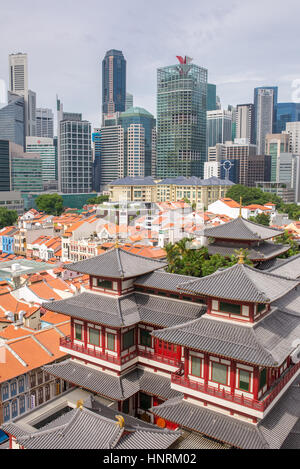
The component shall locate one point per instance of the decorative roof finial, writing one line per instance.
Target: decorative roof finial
(117, 244)
(120, 421)
(80, 404)
(241, 206)
(241, 257)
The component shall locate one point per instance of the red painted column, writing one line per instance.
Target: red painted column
(103, 338)
(251, 312)
(85, 336)
(72, 330)
(255, 383)
(206, 369)
(118, 337)
(232, 376)
(186, 363)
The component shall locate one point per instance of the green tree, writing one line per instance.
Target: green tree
(261, 219)
(285, 239)
(98, 200)
(7, 217)
(52, 204)
(252, 195)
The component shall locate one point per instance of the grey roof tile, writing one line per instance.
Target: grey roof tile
(117, 263)
(241, 282)
(162, 280)
(241, 229)
(288, 268)
(267, 343)
(266, 250)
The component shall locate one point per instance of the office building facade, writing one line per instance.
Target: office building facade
(245, 127)
(241, 150)
(181, 119)
(219, 127)
(113, 82)
(5, 168)
(129, 101)
(211, 97)
(46, 149)
(112, 153)
(26, 171)
(139, 131)
(275, 145)
(44, 123)
(265, 104)
(12, 120)
(293, 131)
(287, 112)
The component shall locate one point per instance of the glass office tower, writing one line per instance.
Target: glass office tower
(181, 120)
(113, 82)
(265, 104)
(287, 112)
(12, 120)
(5, 179)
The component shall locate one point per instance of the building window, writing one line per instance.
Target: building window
(128, 339)
(263, 378)
(47, 392)
(110, 341)
(21, 385)
(6, 412)
(14, 408)
(32, 380)
(5, 392)
(230, 308)
(94, 337)
(22, 404)
(244, 380)
(261, 308)
(145, 338)
(105, 284)
(196, 366)
(145, 401)
(219, 373)
(40, 377)
(13, 388)
(41, 395)
(78, 332)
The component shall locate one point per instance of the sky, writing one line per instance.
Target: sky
(243, 44)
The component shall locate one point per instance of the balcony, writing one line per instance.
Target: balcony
(151, 355)
(260, 405)
(66, 342)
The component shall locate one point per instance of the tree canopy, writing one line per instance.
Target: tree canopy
(261, 219)
(98, 200)
(184, 260)
(287, 238)
(7, 217)
(52, 204)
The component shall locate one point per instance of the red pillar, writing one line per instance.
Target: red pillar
(103, 339)
(255, 383)
(232, 376)
(118, 337)
(85, 336)
(186, 363)
(206, 369)
(72, 330)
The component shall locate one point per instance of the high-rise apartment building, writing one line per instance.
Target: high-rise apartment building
(181, 119)
(219, 127)
(245, 127)
(47, 151)
(44, 123)
(139, 132)
(287, 112)
(113, 82)
(275, 145)
(293, 130)
(265, 104)
(12, 120)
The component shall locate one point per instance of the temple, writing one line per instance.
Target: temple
(238, 234)
(217, 357)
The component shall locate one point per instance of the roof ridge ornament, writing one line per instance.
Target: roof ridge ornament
(241, 257)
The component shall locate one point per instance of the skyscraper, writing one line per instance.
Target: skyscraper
(219, 127)
(287, 112)
(5, 175)
(129, 101)
(139, 132)
(12, 120)
(293, 130)
(113, 82)
(245, 122)
(275, 145)
(112, 152)
(211, 97)
(74, 152)
(46, 149)
(181, 119)
(26, 170)
(18, 84)
(44, 123)
(265, 104)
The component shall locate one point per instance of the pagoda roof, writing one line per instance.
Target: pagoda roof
(268, 343)
(117, 263)
(162, 280)
(276, 430)
(95, 428)
(241, 283)
(288, 267)
(242, 229)
(127, 310)
(265, 251)
(114, 387)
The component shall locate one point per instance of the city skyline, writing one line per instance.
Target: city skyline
(67, 57)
